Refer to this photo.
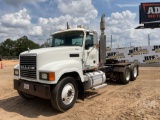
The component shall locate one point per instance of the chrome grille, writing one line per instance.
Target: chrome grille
(28, 66)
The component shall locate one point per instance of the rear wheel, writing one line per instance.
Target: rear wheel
(64, 95)
(117, 77)
(25, 95)
(134, 72)
(125, 76)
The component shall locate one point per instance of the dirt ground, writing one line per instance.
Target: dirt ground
(139, 100)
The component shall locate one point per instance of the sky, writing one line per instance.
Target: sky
(37, 19)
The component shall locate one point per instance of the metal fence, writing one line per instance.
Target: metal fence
(9, 57)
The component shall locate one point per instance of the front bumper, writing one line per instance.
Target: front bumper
(36, 89)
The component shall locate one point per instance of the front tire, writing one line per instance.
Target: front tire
(64, 95)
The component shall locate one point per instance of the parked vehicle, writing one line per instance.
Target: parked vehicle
(75, 62)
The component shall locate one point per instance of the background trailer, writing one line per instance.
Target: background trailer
(145, 55)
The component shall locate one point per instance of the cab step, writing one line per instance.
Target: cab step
(99, 86)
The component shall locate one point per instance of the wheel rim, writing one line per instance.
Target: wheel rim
(68, 93)
(135, 72)
(127, 75)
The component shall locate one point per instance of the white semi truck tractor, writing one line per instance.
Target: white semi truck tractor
(75, 62)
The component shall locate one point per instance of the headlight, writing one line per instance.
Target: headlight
(47, 76)
(44, 76)
(16, 72)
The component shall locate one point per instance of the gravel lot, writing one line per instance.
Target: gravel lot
(139, 100)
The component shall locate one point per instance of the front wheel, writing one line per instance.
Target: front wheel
(64, 95)
(125, 76)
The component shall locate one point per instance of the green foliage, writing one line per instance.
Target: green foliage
(7, 48)
(14, 48)
(23, 43)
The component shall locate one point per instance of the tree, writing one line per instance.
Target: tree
(7, 48)
(23, 43)
(14, 48)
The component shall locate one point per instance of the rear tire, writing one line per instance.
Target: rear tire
(64, 95)
(134, 72)
(125, 76)
(117, 77)
(25, 95)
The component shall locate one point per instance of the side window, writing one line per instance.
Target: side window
(89, 41)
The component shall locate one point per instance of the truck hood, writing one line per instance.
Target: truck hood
(54, 54)
(51, 49)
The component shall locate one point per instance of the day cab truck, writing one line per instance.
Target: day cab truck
(75, 62)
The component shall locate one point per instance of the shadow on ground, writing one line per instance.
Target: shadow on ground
(28, 108)
(38, 106)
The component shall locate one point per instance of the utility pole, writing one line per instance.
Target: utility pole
(131, 44)
(148, 39)
(111, 41)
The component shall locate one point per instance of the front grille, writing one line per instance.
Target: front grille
(28, 66)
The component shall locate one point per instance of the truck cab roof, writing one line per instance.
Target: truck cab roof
(67, 30)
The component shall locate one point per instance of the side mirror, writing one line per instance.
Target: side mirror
(95, 38)
(49, 42)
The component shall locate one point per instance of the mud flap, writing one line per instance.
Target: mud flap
(81, 95)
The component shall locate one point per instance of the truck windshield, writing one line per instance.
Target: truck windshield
(71, 38)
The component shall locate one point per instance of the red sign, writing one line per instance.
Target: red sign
(150, 12)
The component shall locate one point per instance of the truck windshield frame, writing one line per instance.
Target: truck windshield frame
(69, 38)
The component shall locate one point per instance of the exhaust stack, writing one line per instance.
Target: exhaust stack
(102, 24)
(102, 42)
(68, 27)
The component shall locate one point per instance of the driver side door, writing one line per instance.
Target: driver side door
(91, 53)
